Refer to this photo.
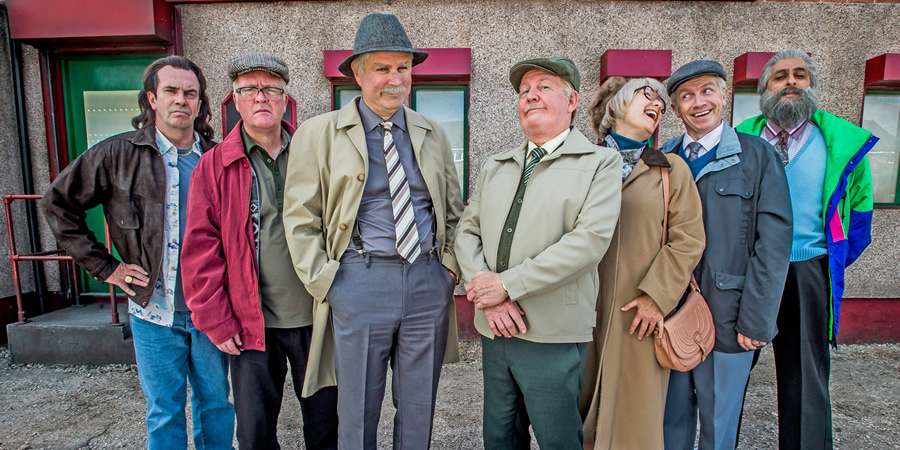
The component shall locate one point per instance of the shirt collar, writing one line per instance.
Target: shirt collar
(710, 140)
(370, 120)
(250, 144)
(551, 145)
(774, 129)
(165, 145)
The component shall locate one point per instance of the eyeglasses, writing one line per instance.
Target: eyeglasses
(271, 93)
(653, 96)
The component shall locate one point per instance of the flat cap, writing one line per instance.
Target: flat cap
(693, 70)
(557, 65)
(251, 62)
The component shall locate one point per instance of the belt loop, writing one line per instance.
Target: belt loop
(368, 262)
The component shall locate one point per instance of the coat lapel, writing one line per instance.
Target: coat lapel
(348, 118)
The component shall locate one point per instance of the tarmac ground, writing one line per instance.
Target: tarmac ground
(84, 407)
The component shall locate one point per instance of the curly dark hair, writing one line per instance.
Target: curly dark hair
(151, 81)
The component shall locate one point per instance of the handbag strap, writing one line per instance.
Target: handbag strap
(664, 171)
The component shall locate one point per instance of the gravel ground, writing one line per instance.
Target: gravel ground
(74, 407)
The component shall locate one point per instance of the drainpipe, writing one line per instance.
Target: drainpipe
(25, 158)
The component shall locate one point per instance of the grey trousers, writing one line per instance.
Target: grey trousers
(389, 310)
(715, 389)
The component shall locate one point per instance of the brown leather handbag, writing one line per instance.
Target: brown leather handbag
(688, 332)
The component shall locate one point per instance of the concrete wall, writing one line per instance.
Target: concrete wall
(840, 36)
(11, 169)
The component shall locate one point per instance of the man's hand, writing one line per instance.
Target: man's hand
(232, 346)
(126, 274)
(486, 290)
(648, 316)
(504, 318)
(749, 344)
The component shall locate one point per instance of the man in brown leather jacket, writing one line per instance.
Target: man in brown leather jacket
(141, 179)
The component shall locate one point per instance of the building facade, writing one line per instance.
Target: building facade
(471, 93)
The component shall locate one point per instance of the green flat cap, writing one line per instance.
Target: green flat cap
(251, 62)
(557, 65)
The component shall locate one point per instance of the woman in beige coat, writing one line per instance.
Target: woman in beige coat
(624, 388)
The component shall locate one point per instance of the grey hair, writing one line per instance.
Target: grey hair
(812, 68)
(618, 104)
(720, 83)
(359, 63)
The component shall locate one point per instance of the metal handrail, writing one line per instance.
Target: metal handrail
(50, 255)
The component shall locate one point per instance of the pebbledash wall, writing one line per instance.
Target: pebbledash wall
(840, 36)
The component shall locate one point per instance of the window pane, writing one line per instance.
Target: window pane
(345, 95)
(448, 107)
(745, 106)
(881, 116)
(107, 113)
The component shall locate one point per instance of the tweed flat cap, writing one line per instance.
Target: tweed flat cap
(561, 66)
(251, 62)
(380, 33)
(693, 70)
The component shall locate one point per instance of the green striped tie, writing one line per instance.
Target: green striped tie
(536, 156)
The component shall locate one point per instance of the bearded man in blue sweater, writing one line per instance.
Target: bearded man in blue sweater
(828, 174)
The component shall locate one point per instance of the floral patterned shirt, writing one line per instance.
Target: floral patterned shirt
(161, 308)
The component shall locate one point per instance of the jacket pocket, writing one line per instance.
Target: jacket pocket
(737, 187)
(124, 217)
(725, 281)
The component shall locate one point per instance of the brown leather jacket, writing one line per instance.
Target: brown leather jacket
(127, 176)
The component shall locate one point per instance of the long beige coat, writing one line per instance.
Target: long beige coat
(565, 224)
(623, 392)
(323, 187)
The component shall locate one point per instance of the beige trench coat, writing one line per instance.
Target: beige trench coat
(567, 219)
(323, 187)
(623, 392)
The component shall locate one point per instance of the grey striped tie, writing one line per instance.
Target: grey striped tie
(536, 156)
(404, 218)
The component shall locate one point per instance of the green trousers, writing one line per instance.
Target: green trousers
(529, 383)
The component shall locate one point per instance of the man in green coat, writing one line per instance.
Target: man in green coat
(831, 198)
(538, 222)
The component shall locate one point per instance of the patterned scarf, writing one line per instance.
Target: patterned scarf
(630, 157)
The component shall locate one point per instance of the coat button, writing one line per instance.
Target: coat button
(342, 226)
(361, 177)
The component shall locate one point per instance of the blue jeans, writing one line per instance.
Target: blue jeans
(166, 358)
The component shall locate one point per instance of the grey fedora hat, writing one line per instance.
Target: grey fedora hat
(380, 33)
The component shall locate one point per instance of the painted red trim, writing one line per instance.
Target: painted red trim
(60, 22)
(869, 320)
(465, 319)
(748, 67)
(883, 71)
(636, 63)
(442, 63)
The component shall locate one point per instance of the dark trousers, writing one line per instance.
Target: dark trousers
(529, 383)
(257, 379)
(803, 358)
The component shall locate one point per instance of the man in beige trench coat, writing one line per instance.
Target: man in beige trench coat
(381, 278)
(537, 224)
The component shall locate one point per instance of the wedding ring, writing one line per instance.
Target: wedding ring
(128, 279)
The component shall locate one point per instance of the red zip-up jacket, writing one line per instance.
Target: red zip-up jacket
(220, 272)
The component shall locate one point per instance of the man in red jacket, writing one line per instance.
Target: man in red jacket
(253, 308)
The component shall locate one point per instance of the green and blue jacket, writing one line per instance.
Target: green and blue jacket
(847, 199)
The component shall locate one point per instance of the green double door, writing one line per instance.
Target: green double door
(100, 96)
